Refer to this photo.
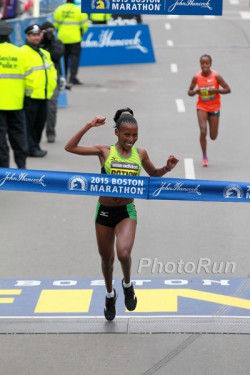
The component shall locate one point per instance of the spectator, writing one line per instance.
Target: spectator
(40, 83)
(8, 9)
(26, 7)
(71, 25)
(12, 89)
(3, 6)
(56, 49)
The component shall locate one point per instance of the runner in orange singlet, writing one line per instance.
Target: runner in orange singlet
(210, 85)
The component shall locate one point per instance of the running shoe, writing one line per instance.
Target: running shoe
(130, 297)
(109, 309)
(205, 162)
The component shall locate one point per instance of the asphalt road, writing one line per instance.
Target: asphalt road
(50, 236)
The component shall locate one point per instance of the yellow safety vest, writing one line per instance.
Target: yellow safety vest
(99, 17)
(40, 73)
(70, 23)
(11, 77)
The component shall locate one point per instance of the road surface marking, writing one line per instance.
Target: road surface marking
(180, 105)
(170, 43)
(189, 168)
(173, 68)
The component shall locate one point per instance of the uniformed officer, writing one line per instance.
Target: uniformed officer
(99, 18)
(40, 83)
(12, 87)
(71, 25)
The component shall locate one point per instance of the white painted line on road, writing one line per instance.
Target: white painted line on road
(245, 15)
(174, 68)
(189, 169)
(173, 16)
(167, 26)
(234, 2)
(210, 17)
(170, 43)
(180, 105)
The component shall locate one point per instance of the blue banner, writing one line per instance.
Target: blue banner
(110, 45)
(123, 186)
(199, 190)
(73, 183)
(168, 7)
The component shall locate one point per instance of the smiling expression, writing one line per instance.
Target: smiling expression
(127, 135)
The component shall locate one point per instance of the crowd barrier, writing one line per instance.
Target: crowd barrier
(42, 181)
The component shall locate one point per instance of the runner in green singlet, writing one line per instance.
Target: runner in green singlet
(115, 219)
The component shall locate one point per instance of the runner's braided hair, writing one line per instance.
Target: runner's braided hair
(119, 112)
(124, 115)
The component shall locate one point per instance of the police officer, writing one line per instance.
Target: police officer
(12, 88)
(71, 25)
(40, 83)
(99, 18)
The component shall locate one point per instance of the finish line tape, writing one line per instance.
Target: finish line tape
(41, 181)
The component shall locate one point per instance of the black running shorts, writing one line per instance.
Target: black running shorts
(111, 216)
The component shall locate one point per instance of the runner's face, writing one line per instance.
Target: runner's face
(205, 64)
(127, 135)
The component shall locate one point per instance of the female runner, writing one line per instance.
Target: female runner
(210, 86)
(116, 218)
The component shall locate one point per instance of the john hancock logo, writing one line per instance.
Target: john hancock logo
(78, 183)
(100, 4)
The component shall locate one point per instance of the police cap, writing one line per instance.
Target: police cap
(33, 29)
(5, 28)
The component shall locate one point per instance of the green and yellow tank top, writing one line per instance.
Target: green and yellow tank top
(116, 164)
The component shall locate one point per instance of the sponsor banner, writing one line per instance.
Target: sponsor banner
(156, 296)
(73, 183)
(123, 185)
(168, 7)
(110, 45)
(199, 190)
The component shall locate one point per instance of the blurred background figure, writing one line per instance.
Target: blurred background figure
(71, 25)
(26, 7)
(56, 49)
(9, 9)
(12, 89)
